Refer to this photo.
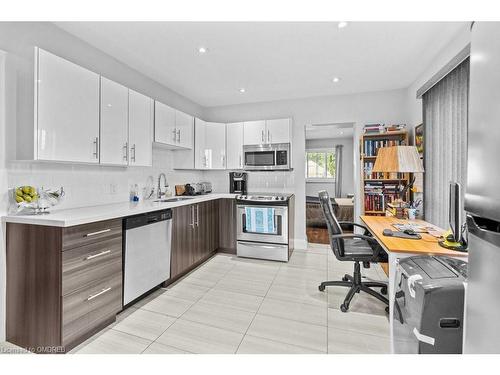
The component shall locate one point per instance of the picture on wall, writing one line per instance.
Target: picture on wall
(419, 138)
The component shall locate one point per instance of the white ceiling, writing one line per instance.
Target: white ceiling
(272, 61)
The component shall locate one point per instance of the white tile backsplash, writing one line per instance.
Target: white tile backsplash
(88, 185)
(265, 182)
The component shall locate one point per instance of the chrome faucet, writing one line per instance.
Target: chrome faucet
(160, 193)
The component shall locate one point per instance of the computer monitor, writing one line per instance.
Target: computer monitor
(455, 211)
(454, 239)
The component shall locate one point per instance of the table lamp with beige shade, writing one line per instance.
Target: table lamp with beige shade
(399, 159)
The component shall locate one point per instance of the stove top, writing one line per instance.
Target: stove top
(264, 197)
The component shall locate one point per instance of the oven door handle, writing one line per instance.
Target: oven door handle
(249, 244)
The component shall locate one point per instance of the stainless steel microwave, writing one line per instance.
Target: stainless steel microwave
(270, 157)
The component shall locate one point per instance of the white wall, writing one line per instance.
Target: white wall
(457, 44)
(386, 107)
(312, 188)
(3, 200)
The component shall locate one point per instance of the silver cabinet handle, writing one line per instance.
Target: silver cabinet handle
(262, 135)
(197, 215)
(96, 148)
(125, 148)
(98, 255)
(132, 151)
(179, 135)
(174, 132)
(192, 216)
(241, 165)
(269, 136)
(92, 296)
(98, 232)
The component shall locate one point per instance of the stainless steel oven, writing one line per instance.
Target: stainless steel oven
(262, 227)
(272, 157)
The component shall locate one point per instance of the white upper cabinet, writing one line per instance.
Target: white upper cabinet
(278, 131)
(184, 129)
(140, 114)
(215, 145)
(114, 123)
(165, 131)
(234, 145)
(66, 110)
(172, 127)
(200, 160)
(254, 132)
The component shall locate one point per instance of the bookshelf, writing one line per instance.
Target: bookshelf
(378, 189)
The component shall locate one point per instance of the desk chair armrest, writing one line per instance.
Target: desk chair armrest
(367, 232)
(372, 241)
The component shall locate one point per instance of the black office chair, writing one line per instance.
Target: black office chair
(357, 248)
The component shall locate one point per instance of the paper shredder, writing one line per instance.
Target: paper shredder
(429, 305)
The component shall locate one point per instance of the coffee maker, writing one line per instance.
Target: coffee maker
(238, 182)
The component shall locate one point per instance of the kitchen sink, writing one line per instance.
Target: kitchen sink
(176, 199)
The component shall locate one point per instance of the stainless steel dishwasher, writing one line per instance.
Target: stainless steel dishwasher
(147, 245)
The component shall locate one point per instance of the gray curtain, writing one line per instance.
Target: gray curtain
(338, 171)
(445, 111)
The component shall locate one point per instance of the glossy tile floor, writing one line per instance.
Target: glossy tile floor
(235, 305)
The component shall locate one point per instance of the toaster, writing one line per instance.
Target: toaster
(206, 187)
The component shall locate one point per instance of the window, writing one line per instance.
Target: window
(320, 165)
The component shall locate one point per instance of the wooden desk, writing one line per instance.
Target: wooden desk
(428, 245)
(398, 248)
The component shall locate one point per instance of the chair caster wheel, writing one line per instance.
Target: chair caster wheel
(387, 309)
(321, 288)
(383, 290)
(345, 279)
(344, 308)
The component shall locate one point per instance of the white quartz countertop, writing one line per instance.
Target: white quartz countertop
(85, 215)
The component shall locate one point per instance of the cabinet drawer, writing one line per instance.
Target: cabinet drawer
(82, 309)
(85, 265)
(89, 233)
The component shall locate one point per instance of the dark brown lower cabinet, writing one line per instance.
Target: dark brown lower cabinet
(195, 236)
(63, 284)
(227, 225)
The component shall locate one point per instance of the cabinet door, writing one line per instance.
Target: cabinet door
(215, 145)
(184, 129)
(254, 132)
(114, 123)
(183, 239)
(200, 159)
(227, 225)
(140, 129)
(234, 145)
(278, 131)
(67, 111)
(164, 127)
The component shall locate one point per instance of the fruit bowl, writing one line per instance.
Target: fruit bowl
(31, 200)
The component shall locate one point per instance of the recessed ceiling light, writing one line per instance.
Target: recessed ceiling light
(242, 90)
(335, 79)
(202, 50)
(342, 24)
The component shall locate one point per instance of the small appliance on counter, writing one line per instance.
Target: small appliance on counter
(206, 187)
(238, 182)
(194, 188)
(265, 226)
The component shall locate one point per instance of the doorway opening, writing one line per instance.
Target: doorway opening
(329, 156)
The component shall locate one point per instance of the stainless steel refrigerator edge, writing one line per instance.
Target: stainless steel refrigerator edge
(482, 199)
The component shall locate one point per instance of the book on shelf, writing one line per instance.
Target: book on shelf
(371, 146)
(374, 202)
(369, 175)
(373, 128)
(395, 128)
